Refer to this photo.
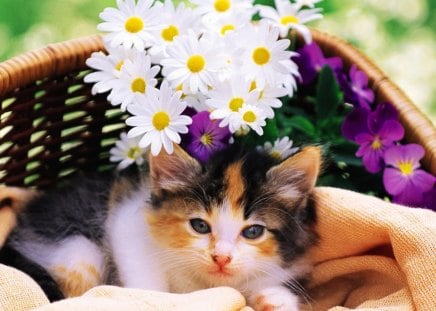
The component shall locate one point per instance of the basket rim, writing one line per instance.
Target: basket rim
(60, 58)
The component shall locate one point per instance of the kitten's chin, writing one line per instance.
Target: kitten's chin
(221, 272)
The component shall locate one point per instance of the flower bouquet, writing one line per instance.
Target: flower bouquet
(208, 73)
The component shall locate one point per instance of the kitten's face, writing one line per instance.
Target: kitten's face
(233, 221)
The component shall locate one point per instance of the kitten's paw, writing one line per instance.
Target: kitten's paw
(276, 298)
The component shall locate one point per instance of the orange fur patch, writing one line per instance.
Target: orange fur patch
(170, 229)
(121, 189)
(74, 283)
(268, 247)
(235, 184)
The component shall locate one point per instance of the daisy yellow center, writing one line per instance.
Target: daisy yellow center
(276, 155)
(161, 120)
(236, 103)
(134, 24)
(196, 63)
(170, 32)
(253, 85)
(119, 65)
(376, 143)
(249, 116)
(138, 85)
(288, 19)
(261, 55)
(222, 5)
(206, 139)
(225, 28)
(261, 94)
(406, 168)
(134, 152)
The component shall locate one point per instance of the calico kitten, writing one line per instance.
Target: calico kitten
(243, 220)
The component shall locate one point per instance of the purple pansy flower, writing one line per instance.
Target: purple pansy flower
(311, 60)
(205, 137)
(403, 179)
(374, 131)
(430, 199)
(355, 88)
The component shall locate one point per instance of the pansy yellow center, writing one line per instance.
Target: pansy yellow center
(196, 63)
(288, 19)
(119, 65)
(138, 85)
(236, 103)
(253, 85)
(206, 139)
(134, 152)
(161, 120)
(134, 24)
(170, 32)
(225, 28)
(276, 155)
(406, 168)
(376, 143)
(249, 116)
(261, 55)
(222, 5)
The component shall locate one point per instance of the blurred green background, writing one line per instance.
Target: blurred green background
(398, 35)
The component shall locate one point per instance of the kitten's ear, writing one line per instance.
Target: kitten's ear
(301, 169)
(171, 171)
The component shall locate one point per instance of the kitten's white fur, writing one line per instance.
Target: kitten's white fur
(133, 249)
(67, 254)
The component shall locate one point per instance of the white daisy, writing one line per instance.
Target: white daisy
(196, 101)
(215, 9)
(228, 97)
(290, 15)
(131, 24)
(289, 81)
(265, 56)
(136, 79)
(158, 118)
(107, 68)
(269, 97)
(281, 149)
(191, 62)
(248, 116)
(127, 152)
(174, 21)
(228, 23)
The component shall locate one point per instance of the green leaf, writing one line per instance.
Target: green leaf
(265, 2)
(328, 94)
(300, 123)
(270, 131)
(348, 159)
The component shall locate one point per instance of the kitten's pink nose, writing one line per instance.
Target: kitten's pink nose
(221, 260)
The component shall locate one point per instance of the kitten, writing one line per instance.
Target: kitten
(243, 220)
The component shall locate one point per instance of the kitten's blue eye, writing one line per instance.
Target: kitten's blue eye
(200, 225)
(253, 232)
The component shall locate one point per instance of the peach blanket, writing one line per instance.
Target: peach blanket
(373, 255)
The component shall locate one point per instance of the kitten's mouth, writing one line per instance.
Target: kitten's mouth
(220, 271)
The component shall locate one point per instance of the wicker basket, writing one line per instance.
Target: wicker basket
(51, 125)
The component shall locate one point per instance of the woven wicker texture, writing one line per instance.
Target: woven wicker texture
(51, 125)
